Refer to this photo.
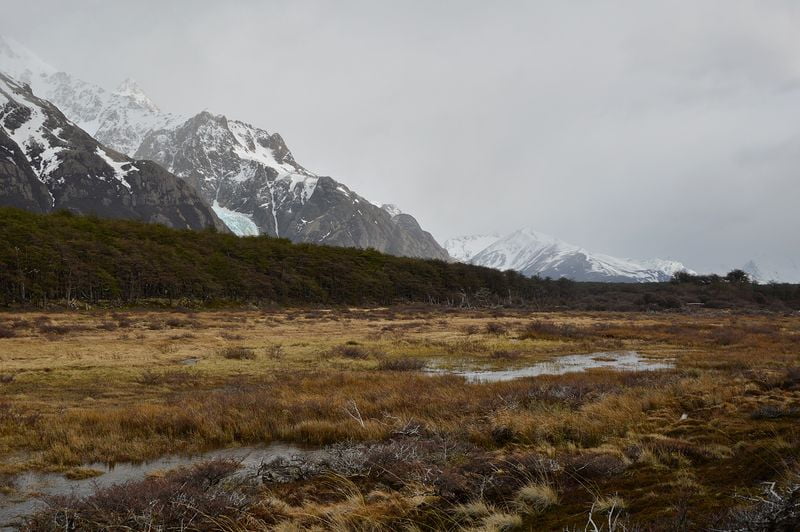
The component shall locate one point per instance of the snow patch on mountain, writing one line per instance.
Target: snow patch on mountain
(463, 248)
(39, 143)
(392, 209)
(121, 168)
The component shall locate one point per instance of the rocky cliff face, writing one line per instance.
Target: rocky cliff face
(255, 185)
(48, 163)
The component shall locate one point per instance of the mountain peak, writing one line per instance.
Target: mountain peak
(533, 253)
(531, 235)
(130, 90)
(752, 269)
(392, 209)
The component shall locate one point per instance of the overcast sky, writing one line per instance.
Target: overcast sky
(639, 129)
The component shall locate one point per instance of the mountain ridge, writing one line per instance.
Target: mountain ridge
(49, 163)
(537, 254)
(246, 174)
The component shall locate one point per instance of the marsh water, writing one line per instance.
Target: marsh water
(616, 360)
(30, 488)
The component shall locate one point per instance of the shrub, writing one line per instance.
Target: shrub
(53, 329)
(6, 332)
(350, 351)
(274, 351)
(192, 496)
(548, 330)
(503, 354)
(172, 378)
(726, 336)
(496, 328)
(401, 364)
(237, 353)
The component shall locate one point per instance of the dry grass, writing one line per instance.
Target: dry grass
(536, 497)
(83, 387)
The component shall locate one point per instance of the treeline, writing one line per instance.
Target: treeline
(62, 257)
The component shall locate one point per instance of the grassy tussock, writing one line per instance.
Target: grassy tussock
(536, 497)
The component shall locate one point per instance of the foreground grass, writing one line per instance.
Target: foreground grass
(666, 449)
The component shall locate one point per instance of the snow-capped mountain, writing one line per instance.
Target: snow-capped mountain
(247, 174)
(770, 269)
(119, 119)
(48, 163)
(532, 253)
(463, 248)
(256, 186)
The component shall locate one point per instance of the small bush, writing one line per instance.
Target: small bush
(6, 332)
(503, 354)
(496, 328)
(350, 351)
(193, 496)
(726, 336)
(237, 353)
(172, 378)
(401, 364)
(274, 351)
(546, 330)
(469, 330)
(57, 330)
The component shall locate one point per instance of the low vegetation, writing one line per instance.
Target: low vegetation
(677, 449)
(72, 261)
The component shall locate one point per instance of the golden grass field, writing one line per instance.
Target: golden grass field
(667, 450)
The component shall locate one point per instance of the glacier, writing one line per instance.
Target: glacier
(240, 223)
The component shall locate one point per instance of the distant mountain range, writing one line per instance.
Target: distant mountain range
(532, 253)
(245, 174)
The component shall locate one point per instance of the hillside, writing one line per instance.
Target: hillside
(63, 256)
(60, 256)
